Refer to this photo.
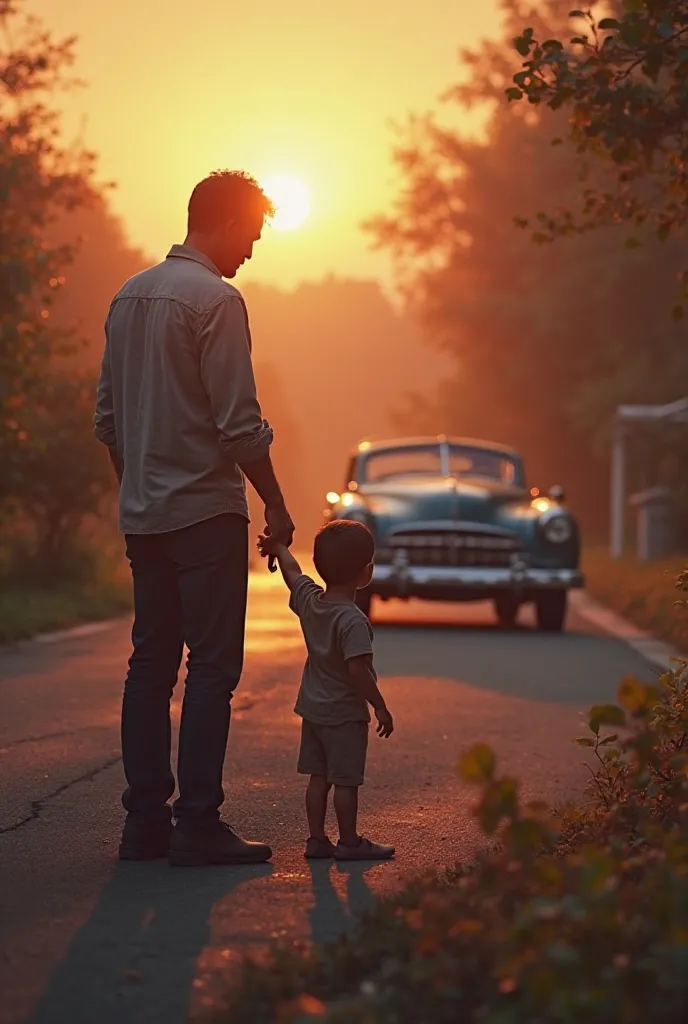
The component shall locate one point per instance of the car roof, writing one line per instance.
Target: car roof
(366, 447)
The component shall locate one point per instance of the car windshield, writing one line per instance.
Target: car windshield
(426, 460)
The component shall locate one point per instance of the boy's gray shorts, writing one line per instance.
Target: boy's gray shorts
(336, 751)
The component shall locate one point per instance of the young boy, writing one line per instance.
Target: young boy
(338, 683)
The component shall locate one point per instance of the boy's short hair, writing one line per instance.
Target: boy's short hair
(342, 550)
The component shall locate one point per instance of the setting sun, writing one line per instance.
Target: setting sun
(290, 196)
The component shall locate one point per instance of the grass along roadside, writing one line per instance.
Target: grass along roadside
(643, 592)
(28, 610)
(91, 582)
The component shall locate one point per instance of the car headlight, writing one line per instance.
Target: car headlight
(557, 529)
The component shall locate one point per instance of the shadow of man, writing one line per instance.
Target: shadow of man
(134, 960)
(331, 916)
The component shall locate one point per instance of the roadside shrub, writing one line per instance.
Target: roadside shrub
(576, 915)
(56, 476)
(642, 592)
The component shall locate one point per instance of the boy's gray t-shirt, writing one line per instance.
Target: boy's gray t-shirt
(334, 631)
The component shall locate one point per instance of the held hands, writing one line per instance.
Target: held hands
(385, 723)
(268, 547)
(279, 530)
(278, 524)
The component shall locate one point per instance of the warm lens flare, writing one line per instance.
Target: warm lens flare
(290, 196)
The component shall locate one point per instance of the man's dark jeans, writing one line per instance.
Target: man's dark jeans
(189, 587)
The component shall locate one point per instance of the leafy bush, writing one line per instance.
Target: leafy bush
(56, 476)
(26, 611)
(576, 915)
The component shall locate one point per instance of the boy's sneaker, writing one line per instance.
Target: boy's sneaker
(319, 849)
(214, 843)
(145, 840)
(364, 851)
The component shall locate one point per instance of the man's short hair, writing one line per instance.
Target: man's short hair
(342, 550)
(225, 196)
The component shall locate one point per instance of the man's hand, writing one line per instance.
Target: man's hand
(279, 528)
(117, 463)
(385, 726)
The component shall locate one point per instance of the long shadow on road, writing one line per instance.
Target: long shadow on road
(134, 960)
(331, 915)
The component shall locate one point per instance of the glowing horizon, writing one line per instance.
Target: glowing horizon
(266, 88)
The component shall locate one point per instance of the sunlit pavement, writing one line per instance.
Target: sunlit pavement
(87, 940)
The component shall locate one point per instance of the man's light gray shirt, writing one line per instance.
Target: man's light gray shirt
(177, 395)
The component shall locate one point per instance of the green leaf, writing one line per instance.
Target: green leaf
(499, 801)
(477, 764)
(631, 694)
(522, 46)
(525, 835)
(584, 741)
(605, 714)
(513, 94)
(637, 697)
(609, 739)
(609, 23)
(576, 14)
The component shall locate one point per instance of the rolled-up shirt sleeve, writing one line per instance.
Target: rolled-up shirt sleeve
(104, 418)
(227, 376)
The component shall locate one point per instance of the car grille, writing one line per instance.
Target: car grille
(455, 548)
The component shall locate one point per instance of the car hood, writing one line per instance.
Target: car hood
(468, 500)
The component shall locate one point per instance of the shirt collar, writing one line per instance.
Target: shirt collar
(187, 252)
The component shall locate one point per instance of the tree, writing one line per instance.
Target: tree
(63, 480)
(545, 341)
(51, 471)
(623, 83)
(39, 179)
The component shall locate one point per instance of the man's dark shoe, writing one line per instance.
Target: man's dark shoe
(144, 840)
(214, 843)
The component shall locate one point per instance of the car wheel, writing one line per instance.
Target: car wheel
(551, 610)
(506, 607)
(364, 600)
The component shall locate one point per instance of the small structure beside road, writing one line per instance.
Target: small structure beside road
(626, 416)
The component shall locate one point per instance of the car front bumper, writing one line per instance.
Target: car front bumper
(465, 582)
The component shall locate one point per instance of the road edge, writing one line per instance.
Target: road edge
(659, 654)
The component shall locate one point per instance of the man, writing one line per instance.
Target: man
(177, 409)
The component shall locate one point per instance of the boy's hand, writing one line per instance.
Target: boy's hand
(385, 722)
(266, 545)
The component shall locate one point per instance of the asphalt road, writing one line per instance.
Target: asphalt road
(87, 940)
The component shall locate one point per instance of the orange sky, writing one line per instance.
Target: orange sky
(178, 88)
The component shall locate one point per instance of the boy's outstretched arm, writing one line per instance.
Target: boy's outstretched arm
(291, 570)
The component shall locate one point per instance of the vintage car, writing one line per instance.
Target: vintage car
(453, 520)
